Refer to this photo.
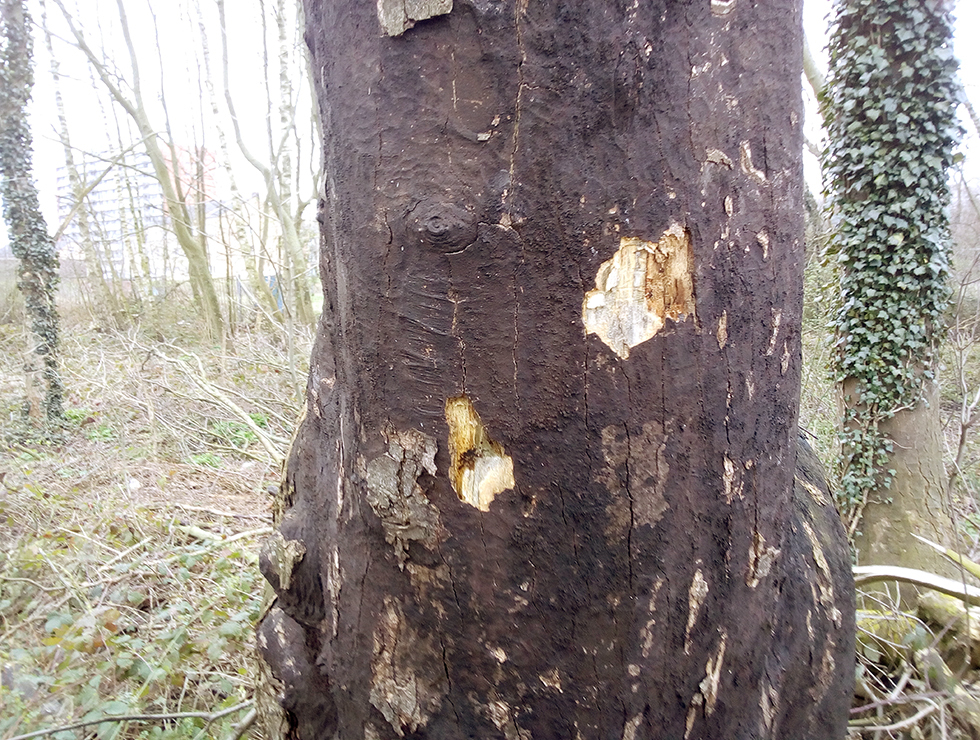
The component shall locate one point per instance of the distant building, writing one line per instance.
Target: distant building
(126, 213)
(126, 205)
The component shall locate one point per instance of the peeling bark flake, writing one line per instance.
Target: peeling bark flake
(395, 495)
(281, 556)
(397, 16)
(722, 7)
(639, 288)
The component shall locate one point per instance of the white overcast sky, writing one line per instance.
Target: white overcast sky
(177, 26)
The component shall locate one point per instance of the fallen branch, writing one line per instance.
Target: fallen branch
(242, 727)
(208, 718)
(952, 555)
(865, 574)
(206, 510)
(921, 714)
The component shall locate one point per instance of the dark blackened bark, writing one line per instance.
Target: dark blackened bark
(544, 486)
(29, 239)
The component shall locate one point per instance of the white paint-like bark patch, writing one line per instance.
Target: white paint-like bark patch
(761, 559)
(715, 155)
(722, 7)
(732, 478)
(815, 493)
(825, 581)
(745, 160)
(722, 333)
(777, 318)
(708, 688)
(552, 679)
(397, 16)
(695, 600)
(283, 556)
(479, 468)
(768, 702)
(503, 716)
(647, 634)
(639, 288)
(629, 730)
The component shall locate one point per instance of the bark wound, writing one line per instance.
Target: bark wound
(479, 468)
(722, 7)
(408, 678)
(397, 16)
(394, 492)
(643, 285)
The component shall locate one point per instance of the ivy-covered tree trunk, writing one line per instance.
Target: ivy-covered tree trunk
(29, 239)
(545, 483)
(890, 111)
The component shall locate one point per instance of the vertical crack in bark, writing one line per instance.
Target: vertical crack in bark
(454, 297)
(449, 680)
(520, 7)
(629, 486)
(517, 311)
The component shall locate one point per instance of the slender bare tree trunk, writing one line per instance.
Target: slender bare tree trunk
(544, 487)
(199, 269)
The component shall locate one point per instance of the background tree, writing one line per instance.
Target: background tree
(889, 108)
(165, 167)
(544, 485)
(29, 240)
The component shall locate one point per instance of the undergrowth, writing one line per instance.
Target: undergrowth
(129, 582)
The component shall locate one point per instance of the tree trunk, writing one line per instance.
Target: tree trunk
(890, 111)
(915, 502)
(37, 268)
(544, 485)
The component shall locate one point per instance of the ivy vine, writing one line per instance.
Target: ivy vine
(890, 111)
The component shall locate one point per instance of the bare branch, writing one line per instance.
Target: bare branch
(208, 717)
